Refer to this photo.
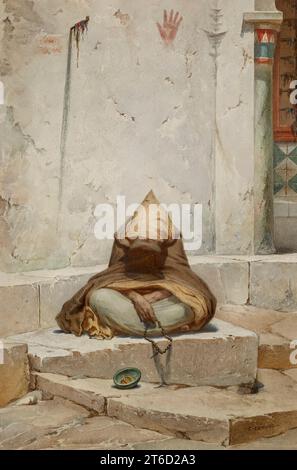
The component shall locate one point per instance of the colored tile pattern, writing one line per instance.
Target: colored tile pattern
(285, 170)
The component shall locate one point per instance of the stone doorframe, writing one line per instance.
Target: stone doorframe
(266, 20)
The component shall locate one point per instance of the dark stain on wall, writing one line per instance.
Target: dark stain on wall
(76, 33)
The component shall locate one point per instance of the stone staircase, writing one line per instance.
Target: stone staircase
(210, 396)
(207, 414)
(221, 355)
(210, 374)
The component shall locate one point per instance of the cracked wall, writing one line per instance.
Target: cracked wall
(234, 137)
(142, 115)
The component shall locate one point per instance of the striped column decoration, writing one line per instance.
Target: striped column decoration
(265, 40)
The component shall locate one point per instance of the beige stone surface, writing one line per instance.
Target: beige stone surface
(62, 425)
(19, 308)
(220, 355)
(228, 279)
(14, 373)
(176, 444)
(23, 425)
(59, 424)
(94, 391)
(221, 416)
(273, 283)
(174, 415)
(88, 392)
(286, 327)
(98, 433)
(276, 331)
(291, 373)
(31, 300)
(214, 415)
(97, 389)
(286, 441)
(274, 352)
(253, 318)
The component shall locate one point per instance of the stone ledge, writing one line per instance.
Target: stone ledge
(60, 424)
(274, 284)
(276, 331)
(39, 295)
(196, 413)
(22, 426)
(19, 308)
(263, 17)
(220, 355)
(264, 281)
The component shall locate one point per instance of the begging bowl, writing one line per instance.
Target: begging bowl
(127, 378)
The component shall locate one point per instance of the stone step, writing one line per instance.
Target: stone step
(24, 425)
(264, 281)
(277, 333)
(59, 424)
(207, 414)
(14, 372)
(220, 355)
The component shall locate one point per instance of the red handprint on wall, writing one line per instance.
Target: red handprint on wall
(169, 29)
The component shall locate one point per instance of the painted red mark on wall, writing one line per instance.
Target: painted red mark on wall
(50, 44)
(169, 29)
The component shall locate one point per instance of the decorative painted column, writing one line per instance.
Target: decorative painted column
(267, 25)
(265, 40)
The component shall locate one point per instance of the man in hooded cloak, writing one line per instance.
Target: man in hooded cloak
(148, 287)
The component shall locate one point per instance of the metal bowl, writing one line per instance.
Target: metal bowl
(127, 378)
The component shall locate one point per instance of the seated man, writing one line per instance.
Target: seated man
(148, 288)
(135, 313)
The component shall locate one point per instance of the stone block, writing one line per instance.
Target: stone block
(220, 355)
(88, 392)
(227, 278)
(252, 318)
(213, 415)
(276, 331)
(274, 352)
(273, 283)
(22, 426)
(208, 414)
(19, 308)
(14, 373)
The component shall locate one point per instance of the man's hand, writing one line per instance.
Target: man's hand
(157, 295)
(143, 308)
(145, 311)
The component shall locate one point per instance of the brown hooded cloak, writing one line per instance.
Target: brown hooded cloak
(125, 273)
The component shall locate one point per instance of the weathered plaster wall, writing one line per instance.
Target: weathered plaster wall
(234, 132)
(177, 119)
(265, 5)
